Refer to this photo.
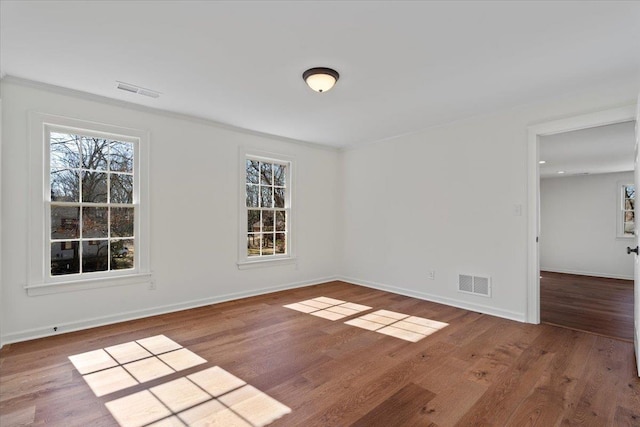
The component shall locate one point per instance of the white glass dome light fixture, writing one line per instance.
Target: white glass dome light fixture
(320, 79)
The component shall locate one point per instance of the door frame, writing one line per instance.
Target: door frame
(585, 121)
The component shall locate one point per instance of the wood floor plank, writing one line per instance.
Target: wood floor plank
(551, 395)
(594, 406)
(478, 370)
(593, 304)
(497, 404)
(407, 407)
(626, 417)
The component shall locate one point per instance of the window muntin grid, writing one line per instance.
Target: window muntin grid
(91, 203)
(628, 210)
(268, 207)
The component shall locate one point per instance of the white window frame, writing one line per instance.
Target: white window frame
(620, 211)
(40, 281)
(245, 261)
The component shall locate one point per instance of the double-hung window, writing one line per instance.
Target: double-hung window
(92, 209)
(266, 215)
(89, 205)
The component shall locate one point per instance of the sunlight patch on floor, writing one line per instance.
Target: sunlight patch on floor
(328, 308)
(208, 397)
(398, 325)
(124, 365)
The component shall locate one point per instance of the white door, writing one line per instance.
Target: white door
(636, 269)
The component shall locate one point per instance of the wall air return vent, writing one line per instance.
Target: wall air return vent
(476, 285)
(137, 89)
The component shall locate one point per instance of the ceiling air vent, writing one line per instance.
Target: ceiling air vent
(137, 89)
(477, 285)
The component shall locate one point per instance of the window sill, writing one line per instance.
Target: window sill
(84, 284)
(246, 265)
(625, 237)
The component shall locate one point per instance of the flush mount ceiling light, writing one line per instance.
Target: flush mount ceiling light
(320, 79)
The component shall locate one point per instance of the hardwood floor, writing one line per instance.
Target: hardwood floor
(479, 370)
(592, 304)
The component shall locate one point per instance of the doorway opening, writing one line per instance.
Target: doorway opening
(587, 220)
(603, 118)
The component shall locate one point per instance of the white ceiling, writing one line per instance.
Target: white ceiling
(596, 150)
(404, 66)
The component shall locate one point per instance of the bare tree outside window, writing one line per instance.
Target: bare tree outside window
(92, 203)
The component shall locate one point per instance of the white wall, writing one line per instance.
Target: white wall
(578, 216)
(194, 216)
(380, 215)
(444, 199)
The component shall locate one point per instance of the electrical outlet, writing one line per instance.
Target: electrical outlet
(431, 274)
(152, 286)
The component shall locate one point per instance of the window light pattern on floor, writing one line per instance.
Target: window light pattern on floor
(124, 365)
(328, 308)
(211, 396)
(399, 325)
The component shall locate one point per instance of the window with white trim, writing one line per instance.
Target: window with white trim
(266, 209)
(627, 216)
(89, 225)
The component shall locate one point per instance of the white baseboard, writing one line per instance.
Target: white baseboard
(588, 273)
(154, 311)
(506, 314)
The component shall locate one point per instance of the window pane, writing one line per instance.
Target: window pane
(281, 221)
(267, 220)
(122, 222)
(628, 216)
(65, 258)
(64, 151)
(64, 222)
(629, 227)
(94, 187)
(122, 254)
(278, 197)
(95, 255)
(279, 175)
(266, 173)
(252, 196)
(121, 156)
(94, 222)
(253, 171)
(266, 194)
(253, 221)
(267, 243)
(94, 153)
(630, 192)
(121, 188)
(253, 244)
(281, 243)
(65, 186)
